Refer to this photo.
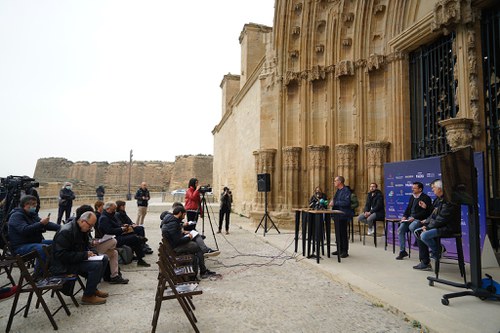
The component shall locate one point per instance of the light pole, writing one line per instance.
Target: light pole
(129, 195)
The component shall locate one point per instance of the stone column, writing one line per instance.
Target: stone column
(291, 173)
(346, 162)
(376, 157)
(264, 163)
(317, 167)
(458, 132)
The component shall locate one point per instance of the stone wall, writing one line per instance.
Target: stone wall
(161, 176)
(329, 95)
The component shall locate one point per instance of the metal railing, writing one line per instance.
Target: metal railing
(90, 199)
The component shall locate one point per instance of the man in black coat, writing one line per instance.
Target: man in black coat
(182, 241)
(66, 197)
(124, 234)
(71, 255)
(418, 209)
(374, 208)
(444, 221)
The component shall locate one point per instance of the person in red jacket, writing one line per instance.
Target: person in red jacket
(192, 202)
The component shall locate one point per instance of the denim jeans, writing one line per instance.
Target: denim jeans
(93, 271)
(429, 239)
(27, 248)
(404, 227)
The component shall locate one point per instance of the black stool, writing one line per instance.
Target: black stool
(350, 230)
(460, 254)
(374, 231)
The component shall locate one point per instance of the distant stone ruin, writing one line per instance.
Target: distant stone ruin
(161, 176)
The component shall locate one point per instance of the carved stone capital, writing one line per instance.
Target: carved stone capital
(265, 160)
(317, 73)
(458, 132)
(344, 68)
(448, 13)
(317, 156)
(377, 152)
(374, 62)
(346, 153)
(291, 157)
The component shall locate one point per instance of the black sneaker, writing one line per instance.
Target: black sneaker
(423, 267)
(141, 262)
(401, 255)
(335, 253)
(207, 274)
(118, 280)
(344, 255)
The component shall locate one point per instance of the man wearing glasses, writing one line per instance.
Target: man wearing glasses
(71, 255)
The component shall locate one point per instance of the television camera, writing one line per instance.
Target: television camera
(11, 190)
(205, 189)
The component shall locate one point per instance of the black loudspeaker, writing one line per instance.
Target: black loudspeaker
(264, 182)
(459, 177)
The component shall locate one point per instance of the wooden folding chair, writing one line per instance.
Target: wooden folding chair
(170, 287)
(27, 284)
(177, 259)
(72, 293)
(182, 265)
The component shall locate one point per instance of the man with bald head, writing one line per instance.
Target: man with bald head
(71, 255)
(142, 197)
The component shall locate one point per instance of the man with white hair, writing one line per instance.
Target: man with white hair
(443, 221)
(71, 255)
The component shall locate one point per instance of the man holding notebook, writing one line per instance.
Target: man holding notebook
(71, 255)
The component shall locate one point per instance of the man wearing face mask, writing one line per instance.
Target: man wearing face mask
(66, 197)
(26, 228)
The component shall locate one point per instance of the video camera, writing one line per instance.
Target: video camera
(205, 189)
(12, 183)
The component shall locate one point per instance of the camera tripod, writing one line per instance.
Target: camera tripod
(204, 209)
(265, 218)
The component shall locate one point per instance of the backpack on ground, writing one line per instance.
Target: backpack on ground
(125, 254)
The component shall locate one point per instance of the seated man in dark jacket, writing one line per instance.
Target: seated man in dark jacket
(444, 221)
(418, 209)
(182, 241)
(124, 234)
(26, 228)
(122, 217)
(374, 208)
(71, 255)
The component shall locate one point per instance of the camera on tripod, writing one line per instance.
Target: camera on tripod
(205, 189)
(13, 183)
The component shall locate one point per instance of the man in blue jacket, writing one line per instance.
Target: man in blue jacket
(342, 201)
(26, 228)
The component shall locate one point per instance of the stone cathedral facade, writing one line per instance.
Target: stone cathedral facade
(339, 87)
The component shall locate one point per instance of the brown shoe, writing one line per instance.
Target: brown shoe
(227, 232)
(92, 300)
(101, 294)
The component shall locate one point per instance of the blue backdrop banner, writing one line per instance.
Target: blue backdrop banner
(400, 176)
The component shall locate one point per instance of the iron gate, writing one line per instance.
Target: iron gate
(490, 31)
(432, 97)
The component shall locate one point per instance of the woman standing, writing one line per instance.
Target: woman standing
(192, 202)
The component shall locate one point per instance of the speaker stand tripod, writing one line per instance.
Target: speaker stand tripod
(265, 218)
(204, 209)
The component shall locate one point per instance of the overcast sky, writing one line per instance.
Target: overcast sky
(90, 80)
